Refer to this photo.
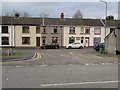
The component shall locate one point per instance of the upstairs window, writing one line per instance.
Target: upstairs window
(44, 29)
(25, 29)
(82, 30)
(4, 29)
(97, 31)
(37, 29)
(72, 30)
(87, 30)
(55, 30)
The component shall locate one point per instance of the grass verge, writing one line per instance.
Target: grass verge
(93, 52)
(15, 54)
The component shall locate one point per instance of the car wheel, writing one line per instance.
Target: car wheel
(69, 47)
(56, 47)
(81, 47)
(44, 47)
(97, 50)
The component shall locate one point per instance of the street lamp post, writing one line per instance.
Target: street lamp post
(105, 15)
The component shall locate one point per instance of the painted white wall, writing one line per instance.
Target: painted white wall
(66, 34)
(91, 36)
(10, 35)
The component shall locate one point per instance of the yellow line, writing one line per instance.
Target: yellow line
(33, 58)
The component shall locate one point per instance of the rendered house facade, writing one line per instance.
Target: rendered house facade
(7, 36)
(112, 42)
(34, 32)
(27, 36)
(88, 36)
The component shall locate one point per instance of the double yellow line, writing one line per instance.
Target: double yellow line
(35, 57)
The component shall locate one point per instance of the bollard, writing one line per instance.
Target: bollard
(8, 52)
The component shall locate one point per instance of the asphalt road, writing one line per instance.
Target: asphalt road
(105, 76)
(62, 69)
(64, 57)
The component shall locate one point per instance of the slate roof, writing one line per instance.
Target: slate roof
(56, 21)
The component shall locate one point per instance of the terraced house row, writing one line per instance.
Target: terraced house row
(34, 32)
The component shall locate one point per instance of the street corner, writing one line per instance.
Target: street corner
(35, 56)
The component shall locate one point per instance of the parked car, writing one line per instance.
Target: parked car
(118, 52)
(98, 46)
(50, 46)
(74, 45)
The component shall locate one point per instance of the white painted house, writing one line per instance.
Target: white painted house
(89, 32)
(85, 31)
(7, 36)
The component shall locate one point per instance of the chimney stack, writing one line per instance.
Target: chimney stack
(62, 16)
(17, 15)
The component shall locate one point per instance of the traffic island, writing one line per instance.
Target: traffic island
(33, 57)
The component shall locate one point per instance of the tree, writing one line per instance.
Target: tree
(44, 15)
(21, 14)
(25, 14)
(78, 14)
(110, 17)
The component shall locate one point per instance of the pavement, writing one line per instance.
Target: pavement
(28, 53)
(61, 68)
(25, 54)
(60, 76)
(86, 51)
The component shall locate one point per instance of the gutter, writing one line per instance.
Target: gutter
(102, 22)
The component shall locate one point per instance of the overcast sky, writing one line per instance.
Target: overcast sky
(88, 9)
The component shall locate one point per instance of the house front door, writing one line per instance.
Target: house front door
(87, 42)
(38, 41)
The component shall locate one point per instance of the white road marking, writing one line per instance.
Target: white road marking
(43, 65)
(18, 66)
(78, 83)
(86, 64)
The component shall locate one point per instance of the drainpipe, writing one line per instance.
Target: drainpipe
(43, 21)
(61, 36)
(11, 38)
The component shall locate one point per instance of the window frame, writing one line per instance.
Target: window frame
(26, 43)
(96, 29)
(83, 30)
(71, 39)
(72, 30)
(37, 28)
(88, 29)
(55, 28)
(7, 43)
(4, 30)
(54, 39)
(25, 29)
(44, 30)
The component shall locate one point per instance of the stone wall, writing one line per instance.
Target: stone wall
(110, 43)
